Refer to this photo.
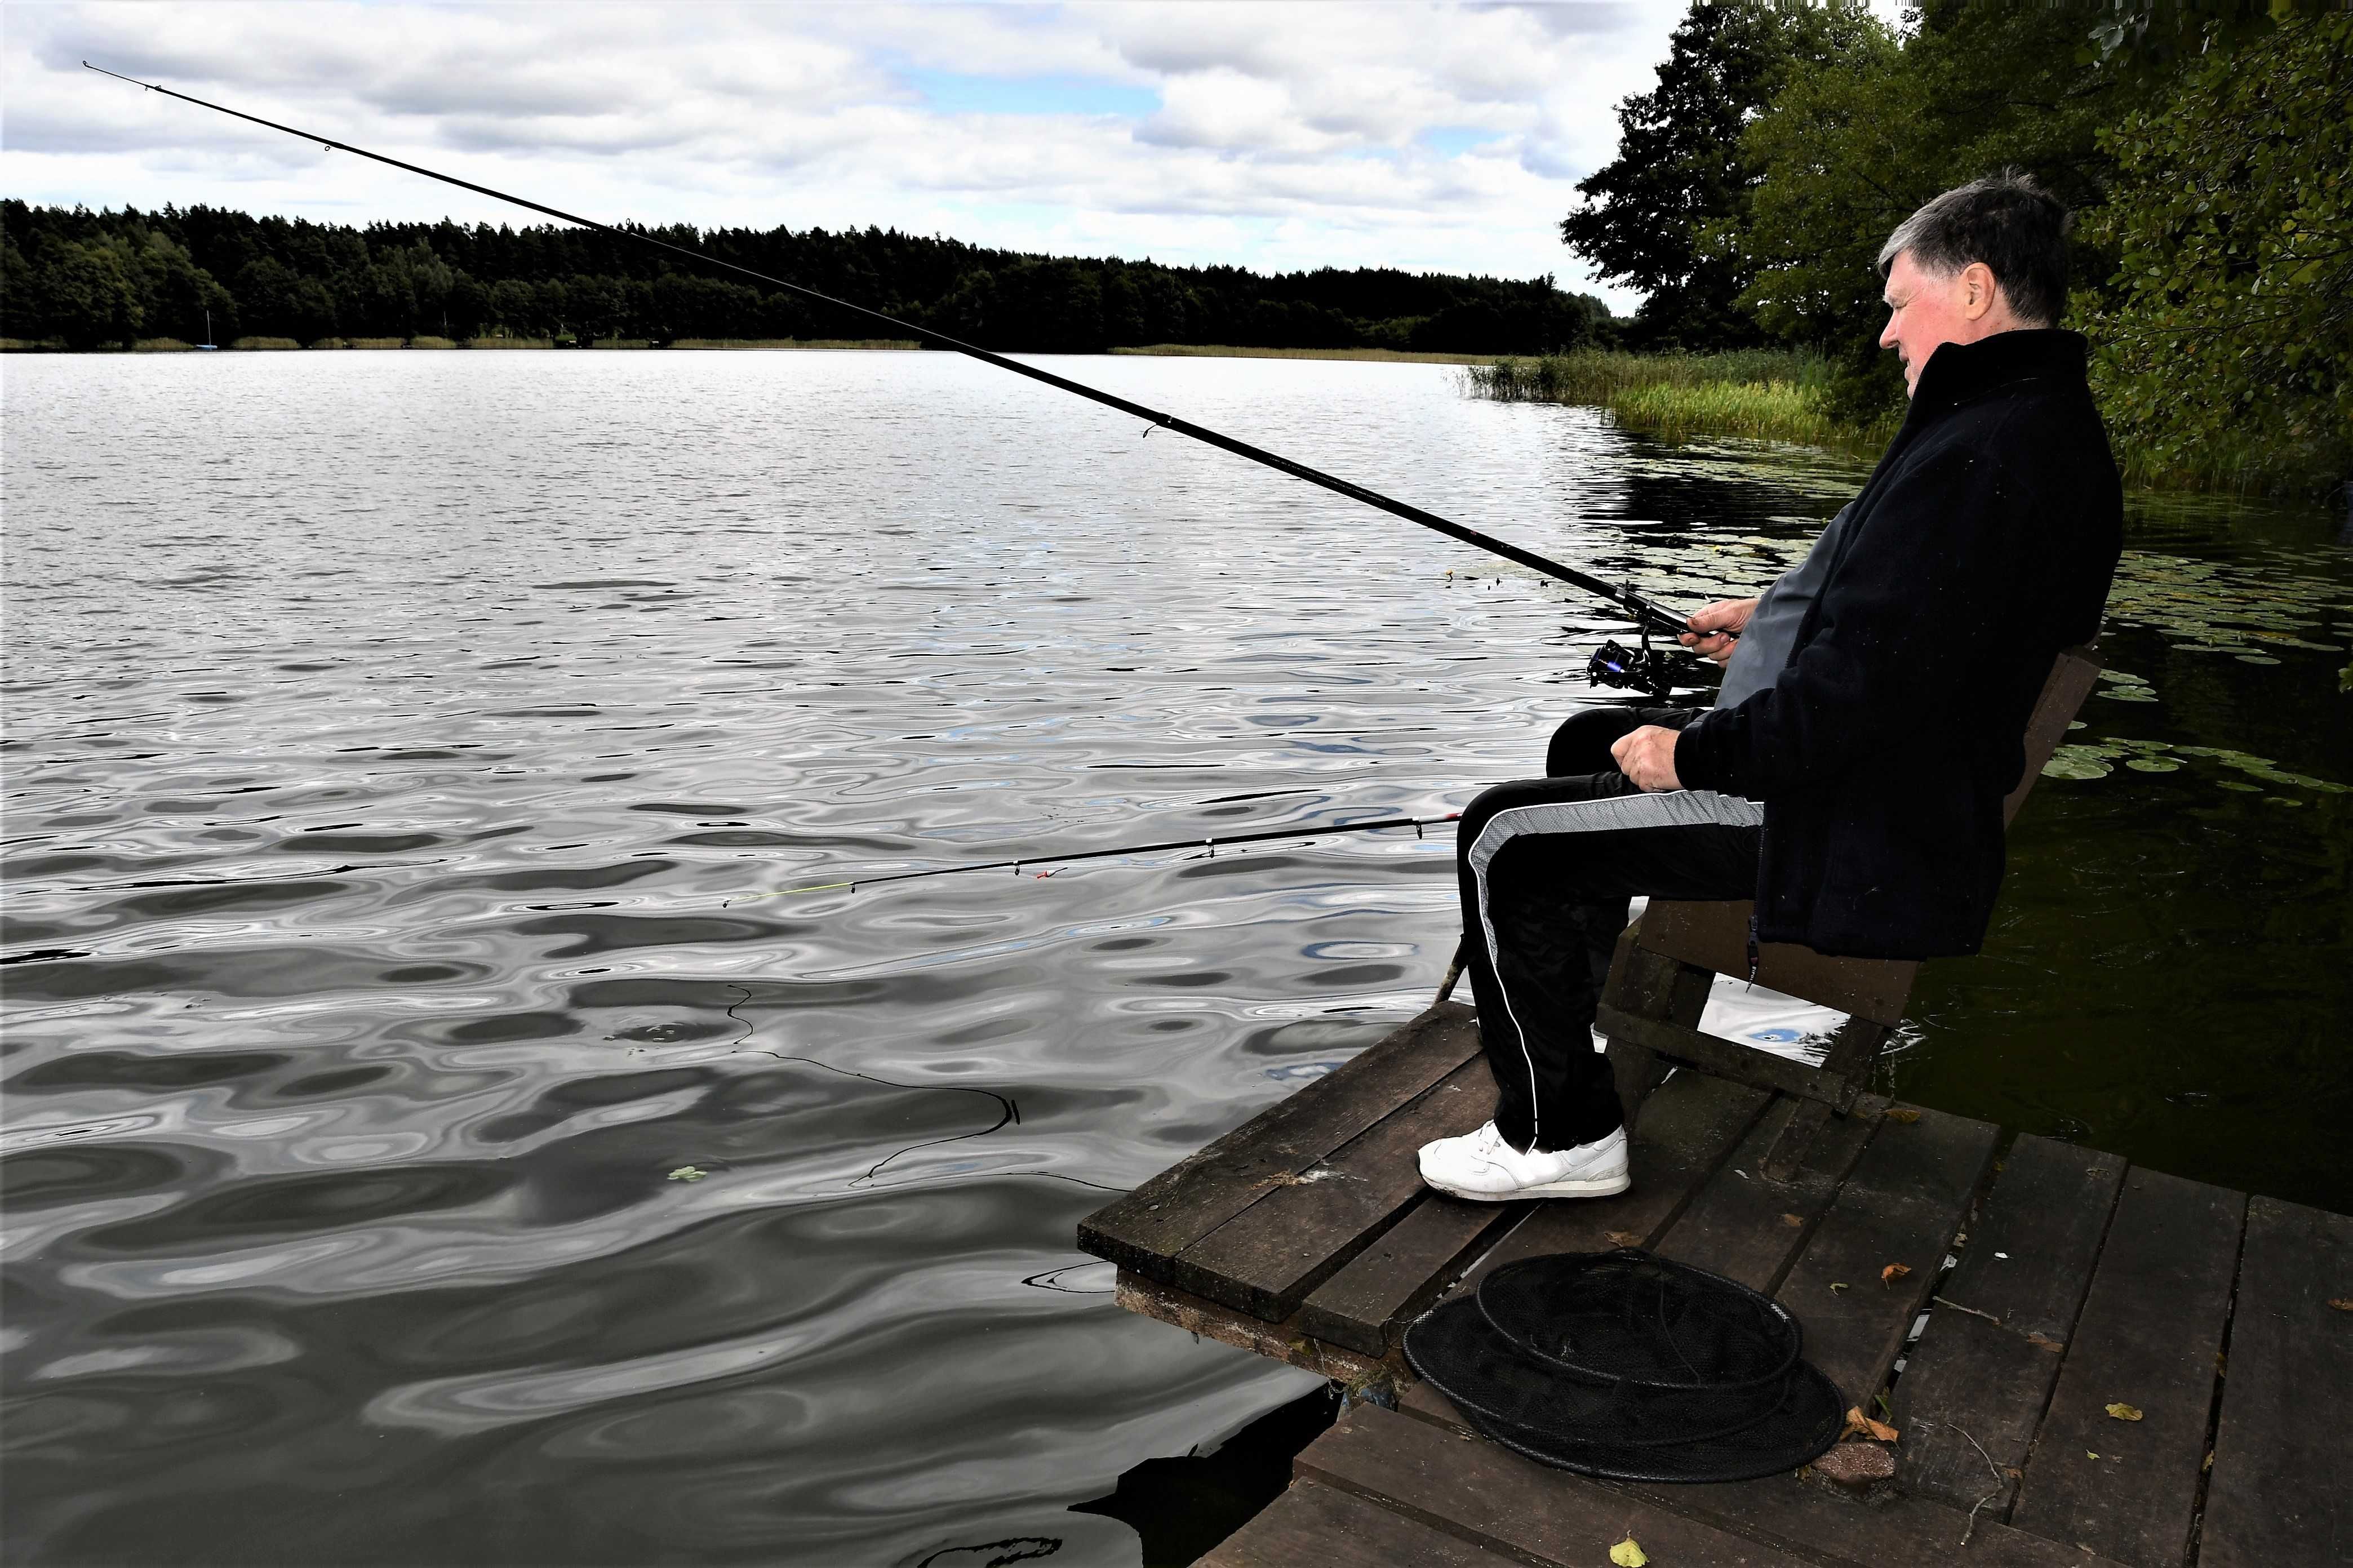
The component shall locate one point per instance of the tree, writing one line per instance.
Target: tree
(2232, 220)
(88, 295)
(1681, 166)
(1853, 146)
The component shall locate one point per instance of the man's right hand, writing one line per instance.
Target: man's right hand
(1708, 627)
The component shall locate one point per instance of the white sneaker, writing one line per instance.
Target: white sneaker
(1482, 1167)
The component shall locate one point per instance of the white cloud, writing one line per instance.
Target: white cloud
(1268, 135)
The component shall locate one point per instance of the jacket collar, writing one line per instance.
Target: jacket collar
(1957, 372)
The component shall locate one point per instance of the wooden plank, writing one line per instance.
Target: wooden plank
(2073, 675)
(1367, 1305)
(1853, 1052)
(1312, 1526)
(1902, 1206)
(1980, 1379)
(1267, 1258)
(2148, 1336)
(1687, 1129)
(1725, 1059)
(1807, 1520)
(1714, 936)
(2283, 1485)
(1190, 1199)
(1521, 1510)
(1739, 1225)
(1281, 1342)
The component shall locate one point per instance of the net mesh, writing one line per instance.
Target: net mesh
(1624, 1365)
(1629, 1316)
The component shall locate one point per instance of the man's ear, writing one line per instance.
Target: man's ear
(1978, 289)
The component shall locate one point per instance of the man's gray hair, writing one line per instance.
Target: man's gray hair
(2010, 223)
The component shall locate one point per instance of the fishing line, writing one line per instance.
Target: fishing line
(1057, 861)
(1645, 614)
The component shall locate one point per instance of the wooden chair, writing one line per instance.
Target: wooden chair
(1667, 961)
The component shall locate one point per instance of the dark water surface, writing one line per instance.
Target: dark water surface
(425, 1146)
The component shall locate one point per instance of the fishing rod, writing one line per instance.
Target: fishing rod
(1057, 861)
(1623, 668)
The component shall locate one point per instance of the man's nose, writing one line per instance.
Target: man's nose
(1887, 334)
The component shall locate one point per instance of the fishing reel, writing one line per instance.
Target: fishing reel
(1640, 668)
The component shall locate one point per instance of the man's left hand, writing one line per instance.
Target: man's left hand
(1646, 756)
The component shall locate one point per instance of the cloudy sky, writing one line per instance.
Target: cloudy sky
(1268, 135)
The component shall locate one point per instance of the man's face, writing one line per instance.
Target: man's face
(1927, 310)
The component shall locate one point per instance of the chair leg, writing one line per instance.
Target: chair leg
(1649, 986)
(1853, 1051)
(1454, 971)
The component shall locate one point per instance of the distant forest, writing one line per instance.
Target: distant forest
(87, 279)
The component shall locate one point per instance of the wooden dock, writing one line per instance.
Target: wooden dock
(2213, 1324)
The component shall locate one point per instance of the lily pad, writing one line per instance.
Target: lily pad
(2076, 762)
(2153, 765)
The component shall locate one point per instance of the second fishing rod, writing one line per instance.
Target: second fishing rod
(1612, 665)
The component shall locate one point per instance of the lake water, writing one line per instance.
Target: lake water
(426, 1145)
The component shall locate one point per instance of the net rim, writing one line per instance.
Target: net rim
(1564, 1456)
(1780, 1315)
(1483, 1417)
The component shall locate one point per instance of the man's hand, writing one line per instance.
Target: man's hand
(1707, 627)
(1646, 756)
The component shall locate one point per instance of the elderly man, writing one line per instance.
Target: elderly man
(1851, 775)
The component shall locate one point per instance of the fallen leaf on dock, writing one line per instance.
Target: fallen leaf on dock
(1893, 1272)
(1624, 1238)
(1793, 1221)
(1902, 1114)
(688, 1173)
(1840, 1285)
(2124, 1412)
(2042, 1341)
(1628, 1554)
(1858, 1424)
(2342, 1303)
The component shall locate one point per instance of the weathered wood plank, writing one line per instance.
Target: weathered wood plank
(1801, 1517)
(1281, 1342)
(2283, 1483)
(1267, 1258)
(1811, 1519)
(1902, 1206)
(2148, 1337)
(1497, 1498)
(1740, 1224)
(1367, 1304)
(1853, 1051)
(1971, 1383)
(1190, 1199)
(1313, 1526)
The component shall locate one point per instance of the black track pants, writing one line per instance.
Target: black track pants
(1547, 867)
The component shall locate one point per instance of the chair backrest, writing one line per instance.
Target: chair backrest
(1716, 935)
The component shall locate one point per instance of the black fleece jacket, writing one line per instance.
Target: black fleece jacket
(1982, 545)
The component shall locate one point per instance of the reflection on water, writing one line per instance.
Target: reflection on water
(424, 1146)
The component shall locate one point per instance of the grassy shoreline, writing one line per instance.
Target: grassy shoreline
(1758, 394)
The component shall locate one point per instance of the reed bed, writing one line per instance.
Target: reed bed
(1762, 395)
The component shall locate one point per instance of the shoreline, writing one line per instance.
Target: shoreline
(436, 344)
(901, 345)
